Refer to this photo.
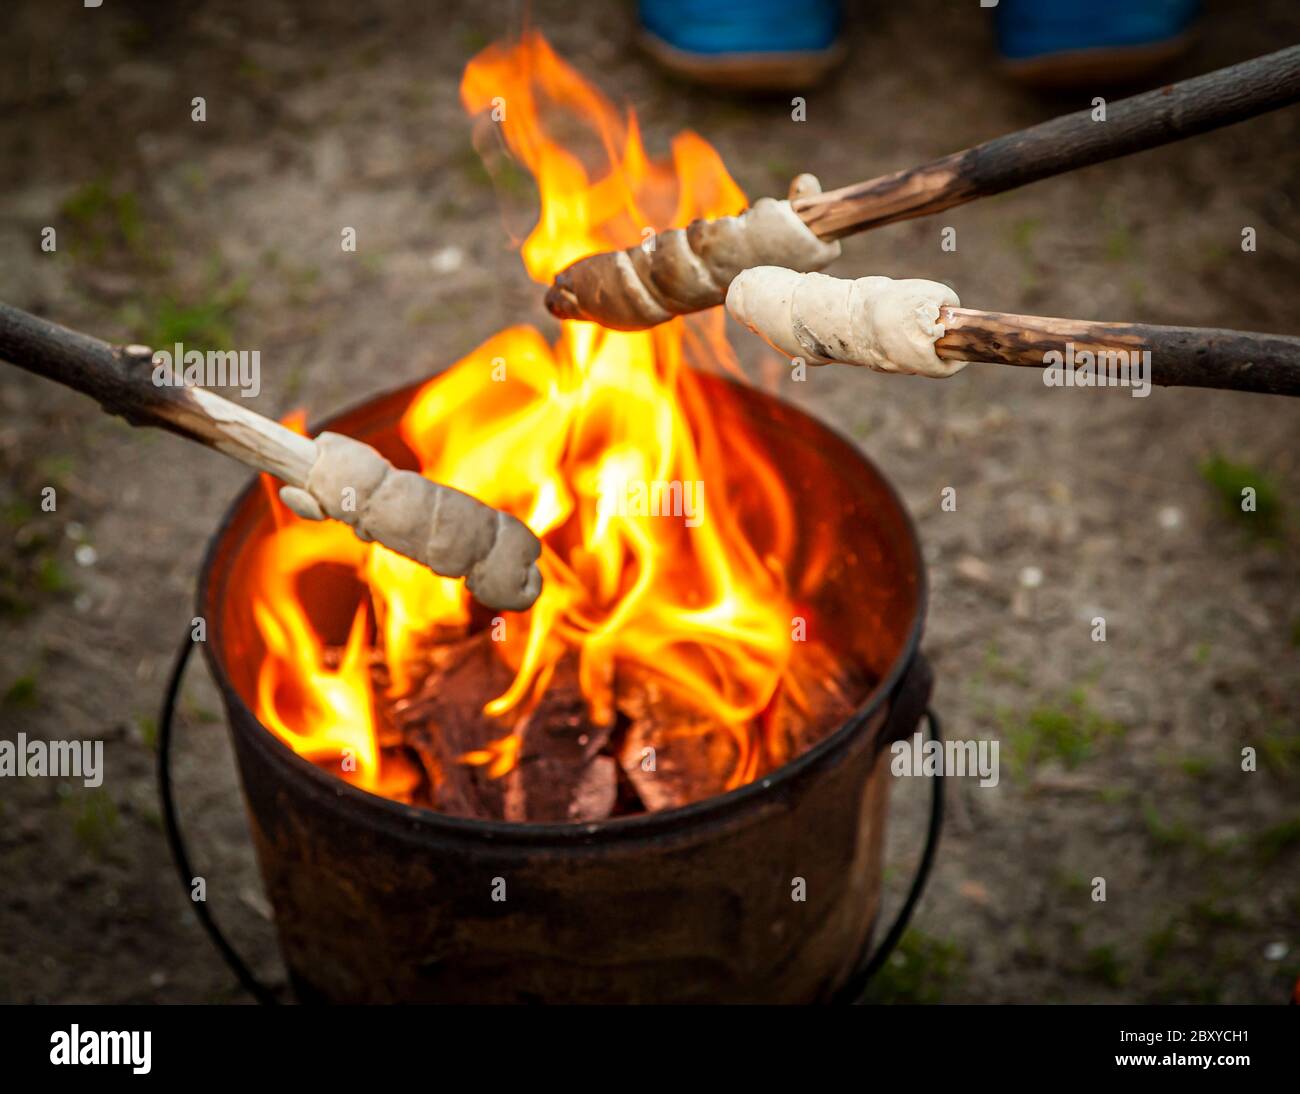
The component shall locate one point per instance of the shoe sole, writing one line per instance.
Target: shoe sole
(746, 71)
(1108, 64)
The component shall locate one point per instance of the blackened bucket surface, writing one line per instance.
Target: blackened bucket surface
(376, 901)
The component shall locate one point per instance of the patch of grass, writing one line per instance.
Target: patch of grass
(201, 321)
(511, 179)
(19, 511)
(1057, 733)
(1278, 839)
(1170, 834)
(1229, 481)
(1023, 232)
(197, 712)
(148, 731)
(1137, 293)
(998, 668)
(1068, 731)
(1213, 914)
(55, 469)
(29, 569)
(1103, 965)
(369, 55)
(1161, 942)
(1119, 246)
(203, 325)
(249, 69)
(193, 176)
(21, 693)
(96, 821)
(470, 165)
(442, 312)
(502, 172)
(1030, 950)
(302, 282)
(1213, 254)
(782, 169)
(1195, 767)
(472, 40)
(102, 219)
(51, 577)
(1195, 951)
(921, 970)
(1279, 748)
(1186, 986)
(292, 385)
(1072, 884)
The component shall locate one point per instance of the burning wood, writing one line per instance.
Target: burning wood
(820, 691)
(444, 721)
(673, 753)
(557, 764)
(561, 774)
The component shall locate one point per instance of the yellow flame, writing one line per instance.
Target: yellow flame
(572, 438)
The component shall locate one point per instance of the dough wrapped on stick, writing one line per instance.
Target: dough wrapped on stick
(886, 325)
(682, 270)
(919, 328)
(452, 533)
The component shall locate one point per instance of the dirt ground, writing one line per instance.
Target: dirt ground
(1120, 759)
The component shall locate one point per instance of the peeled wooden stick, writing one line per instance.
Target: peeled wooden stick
(452, 533)
(688, 269)
(1162, 116)
(918, 327)
(1180, 356)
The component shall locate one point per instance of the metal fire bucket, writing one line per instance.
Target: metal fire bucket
(378, 902)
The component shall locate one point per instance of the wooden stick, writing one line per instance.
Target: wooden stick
(681, 270)
(919, 328)
(1180, 356)
(450, 532)
(120, 379)
(1167, 114)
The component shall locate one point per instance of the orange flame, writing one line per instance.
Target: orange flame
(600, 443)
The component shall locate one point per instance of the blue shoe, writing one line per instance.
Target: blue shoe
(755, 44)
(1071, 42)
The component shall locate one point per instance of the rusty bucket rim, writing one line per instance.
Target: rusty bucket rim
(640, 825)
